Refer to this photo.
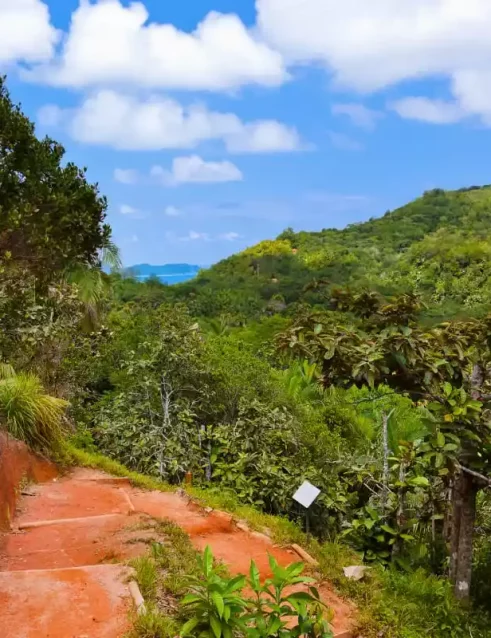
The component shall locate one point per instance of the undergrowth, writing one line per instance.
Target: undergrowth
(162, 577)
(391, 604)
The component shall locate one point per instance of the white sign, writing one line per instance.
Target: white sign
(306, 494)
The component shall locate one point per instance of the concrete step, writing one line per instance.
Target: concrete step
(65, 498)
(82, 602)
(77, 542)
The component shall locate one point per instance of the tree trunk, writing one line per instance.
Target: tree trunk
(385, 474)
(464, 516)
(401, 498)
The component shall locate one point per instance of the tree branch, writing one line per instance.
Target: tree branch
(481, 477)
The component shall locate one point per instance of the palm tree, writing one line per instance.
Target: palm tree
(93, 284)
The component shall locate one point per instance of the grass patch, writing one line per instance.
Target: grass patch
(176, 558)
(162, 577)
(146, 576)
(153, 624)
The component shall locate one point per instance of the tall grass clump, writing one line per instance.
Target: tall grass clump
(29, 414)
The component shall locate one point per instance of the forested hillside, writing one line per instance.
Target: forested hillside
(357, 359)
(437, 247)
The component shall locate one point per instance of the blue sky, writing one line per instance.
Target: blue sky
(302, 113)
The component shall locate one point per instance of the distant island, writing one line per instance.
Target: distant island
(167, 273)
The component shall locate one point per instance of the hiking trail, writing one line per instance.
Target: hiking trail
(62, 565)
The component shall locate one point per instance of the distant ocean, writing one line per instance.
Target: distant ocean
(167, 273)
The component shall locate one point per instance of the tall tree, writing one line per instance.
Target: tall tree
(51, 223)
(51, 217)
(446, 367)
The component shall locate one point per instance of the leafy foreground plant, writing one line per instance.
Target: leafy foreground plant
(219, 607)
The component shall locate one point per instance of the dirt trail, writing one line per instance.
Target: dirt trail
(61, 567)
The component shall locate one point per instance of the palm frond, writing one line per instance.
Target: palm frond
(93, 287)
(110, 256)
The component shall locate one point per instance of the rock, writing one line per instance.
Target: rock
(355, 572)
(242, 525)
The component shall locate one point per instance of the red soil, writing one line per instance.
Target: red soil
(82, 520)
(73, 499)
(68, 603)
(86, 541)
(17, 463)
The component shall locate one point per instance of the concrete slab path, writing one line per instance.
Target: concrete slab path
(61, 566)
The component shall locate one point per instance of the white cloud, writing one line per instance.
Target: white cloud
(109, 43)
(360, 115)
(199, 236)
(26, 34)
(194, 169)
(368, 46)
(124, 122)
(344, 142)
(194, 236)
(124, 209)
(266, 136)
(126, 175)
(172, 211)
(229, 236)
(426, 110)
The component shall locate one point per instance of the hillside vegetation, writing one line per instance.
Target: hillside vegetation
(357, 359)
(436, 246)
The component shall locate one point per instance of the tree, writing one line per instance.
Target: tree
(52, 231)
(51, 218)
(445, 367)
(94, 285)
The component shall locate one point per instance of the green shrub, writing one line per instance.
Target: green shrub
(27, 413)
(218, 607)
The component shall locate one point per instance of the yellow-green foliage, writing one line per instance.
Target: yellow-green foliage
(318, 259)
(270, 247)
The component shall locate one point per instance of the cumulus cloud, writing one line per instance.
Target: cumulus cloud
(26, 33)
(359, 114)
(195, 170)
(368, 46)
(426, 110)
(125, 122)
(109, 43)
(268, 136)
(126, 175)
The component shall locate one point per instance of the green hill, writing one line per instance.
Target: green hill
(437, 246)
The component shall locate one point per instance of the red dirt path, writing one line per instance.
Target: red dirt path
(69, 603)
(17, 463)
(86, 520)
